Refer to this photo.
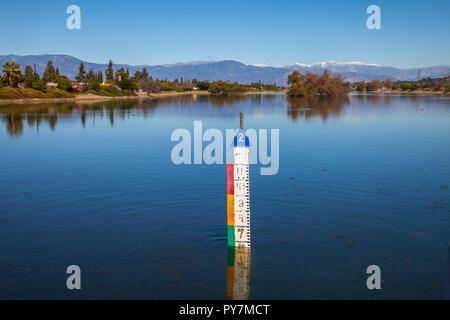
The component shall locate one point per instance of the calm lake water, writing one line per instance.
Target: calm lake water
(363, 181)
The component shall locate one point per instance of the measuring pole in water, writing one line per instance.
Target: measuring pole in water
(238, 191)
(238, 218)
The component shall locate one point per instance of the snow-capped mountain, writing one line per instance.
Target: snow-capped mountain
(357, 71)
(331, 64)
(234, 70)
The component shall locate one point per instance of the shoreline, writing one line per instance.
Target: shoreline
(416, 92)
(96, 98)
(90, 98)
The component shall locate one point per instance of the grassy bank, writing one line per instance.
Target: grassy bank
(29, 93)
(88, 97)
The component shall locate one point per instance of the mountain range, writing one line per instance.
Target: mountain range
(234, 70)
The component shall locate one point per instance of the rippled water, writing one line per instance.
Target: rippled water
(361, 181)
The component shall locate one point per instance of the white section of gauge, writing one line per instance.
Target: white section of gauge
(241, 197)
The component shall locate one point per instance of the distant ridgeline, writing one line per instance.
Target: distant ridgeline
(233, 71)
(120, 82)
(15, 84)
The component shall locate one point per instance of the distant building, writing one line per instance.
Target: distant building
(21, 85)
(77, 86)
(51, 85)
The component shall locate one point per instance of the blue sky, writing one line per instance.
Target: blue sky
(277, 33)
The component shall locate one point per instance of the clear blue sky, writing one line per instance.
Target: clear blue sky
(414, 33)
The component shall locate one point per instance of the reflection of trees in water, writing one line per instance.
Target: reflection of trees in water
(377, 99)
(52, 118)
(227, 99)
(14, 124)
(83, 117)
(315, 107)
(36, 114)
(388, 99)
(50, 113)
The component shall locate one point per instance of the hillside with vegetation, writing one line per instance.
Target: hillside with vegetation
(110, 83)
(233, 71)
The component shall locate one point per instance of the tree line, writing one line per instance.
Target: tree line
(326, 84)
(425, 84)
(118, 82)
(12, 76)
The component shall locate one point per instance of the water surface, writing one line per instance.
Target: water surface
(361, 181)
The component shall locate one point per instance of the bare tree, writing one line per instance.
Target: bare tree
(149, 86)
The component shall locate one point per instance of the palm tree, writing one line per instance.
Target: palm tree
(11, 73)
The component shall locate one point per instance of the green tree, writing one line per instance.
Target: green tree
(81, 77)
(405, 86)
(11, 73)
(110, 73)
(90, 77)
(29, 76)
(164, 85)
(120, 75)
(140, 75)
(39, 85)
(203, 85)
(225, 88)
(35, 74)
(127, 84)
(65, 84)
(360, 87)
(50, 74)
(137, 76)
(144, 73)
(100, 77)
